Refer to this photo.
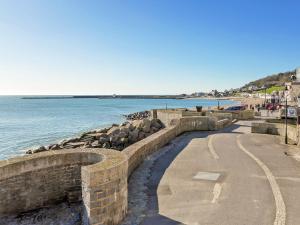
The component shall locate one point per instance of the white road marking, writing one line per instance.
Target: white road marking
(280, 205)
(216, 192)
(294, 179)
(211, 147)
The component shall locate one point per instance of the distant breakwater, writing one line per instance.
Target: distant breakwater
(107, 97)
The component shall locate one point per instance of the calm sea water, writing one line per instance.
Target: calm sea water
(30, 122)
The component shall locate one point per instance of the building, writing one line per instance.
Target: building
(199, 94)
(252, 88)
(293, 89)
(298, 74)
(214, 93)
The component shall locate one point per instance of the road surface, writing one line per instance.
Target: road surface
(230, 177)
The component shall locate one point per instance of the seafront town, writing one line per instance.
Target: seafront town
(149, 112)
(268, 100)
(166, 166)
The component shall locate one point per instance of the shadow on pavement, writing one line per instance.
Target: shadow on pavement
(158, 169)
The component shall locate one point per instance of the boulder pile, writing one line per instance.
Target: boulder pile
(138, 115)
(115, 137)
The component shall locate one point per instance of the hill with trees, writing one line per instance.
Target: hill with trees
(272, 80)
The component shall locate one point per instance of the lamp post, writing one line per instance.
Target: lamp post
(265, 95)
(286, 136)
(265, 87)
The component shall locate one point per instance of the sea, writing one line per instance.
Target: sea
(25, 123)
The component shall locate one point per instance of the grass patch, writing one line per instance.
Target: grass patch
(273, 88)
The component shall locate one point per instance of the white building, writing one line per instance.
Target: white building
(298, 74)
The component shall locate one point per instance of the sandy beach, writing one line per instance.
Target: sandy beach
(242, 100)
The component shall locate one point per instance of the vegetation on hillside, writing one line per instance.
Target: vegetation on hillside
(272, 80)
(273, 88)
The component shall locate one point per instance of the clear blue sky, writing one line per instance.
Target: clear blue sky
(143, 47)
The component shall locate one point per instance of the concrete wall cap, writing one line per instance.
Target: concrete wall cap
(100, 159)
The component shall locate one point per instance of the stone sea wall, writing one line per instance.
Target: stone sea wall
(238, 115)
(277, 129)
(166, 116)
(137, 152)
(104, 189)
(98, 176)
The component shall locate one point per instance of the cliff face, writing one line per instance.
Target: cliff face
(271, 80)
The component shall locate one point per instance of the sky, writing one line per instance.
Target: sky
(69, 47)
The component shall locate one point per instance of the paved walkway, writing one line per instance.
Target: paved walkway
(231, 177)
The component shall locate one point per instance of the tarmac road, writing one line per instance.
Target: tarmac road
(230, 177)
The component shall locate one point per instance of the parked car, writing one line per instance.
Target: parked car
(236, 108)
(272, 106)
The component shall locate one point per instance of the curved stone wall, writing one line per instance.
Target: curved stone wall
(42, 179)
(98, 175)
(137, 152)
(104, 188)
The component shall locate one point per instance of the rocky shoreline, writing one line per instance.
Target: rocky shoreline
(116, 137)
(138, 115)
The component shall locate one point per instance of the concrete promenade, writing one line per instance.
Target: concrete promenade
(230, 177)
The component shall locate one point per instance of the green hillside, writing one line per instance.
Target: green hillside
(272, 80)
(273, 88)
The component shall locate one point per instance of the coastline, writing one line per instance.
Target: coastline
(105, 97)
(50, 121)
(137, 126)
(215, 98)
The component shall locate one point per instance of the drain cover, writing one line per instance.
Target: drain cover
(207, 176)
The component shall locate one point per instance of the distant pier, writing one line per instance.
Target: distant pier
(107, 97)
